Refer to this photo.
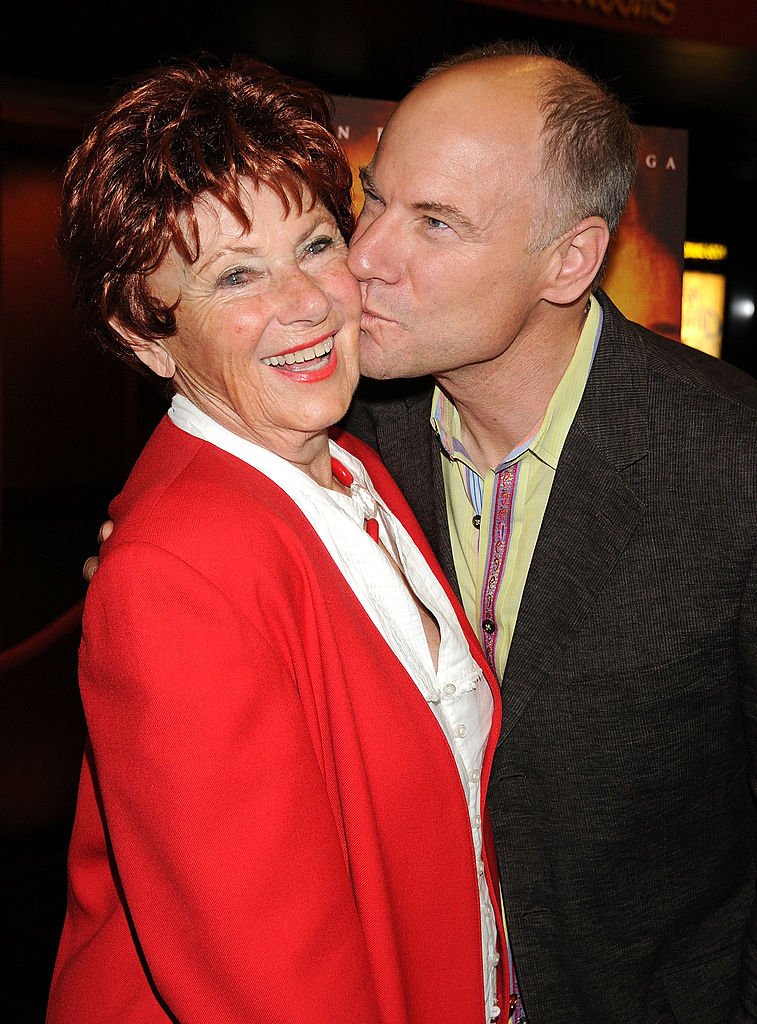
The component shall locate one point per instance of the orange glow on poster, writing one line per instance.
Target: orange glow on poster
(358, 124)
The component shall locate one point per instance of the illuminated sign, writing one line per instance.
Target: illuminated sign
(704, 251)
(702, 311)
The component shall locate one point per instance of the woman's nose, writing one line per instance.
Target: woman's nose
(302, 299)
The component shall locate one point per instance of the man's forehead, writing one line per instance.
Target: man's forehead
(489, 96)
(444, 159)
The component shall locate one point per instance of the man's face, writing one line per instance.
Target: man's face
(440, 247)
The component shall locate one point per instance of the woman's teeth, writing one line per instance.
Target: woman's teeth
(304, 355)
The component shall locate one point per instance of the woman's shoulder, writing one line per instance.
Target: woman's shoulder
(185, 491)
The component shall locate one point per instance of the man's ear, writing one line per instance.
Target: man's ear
(576, 260)
(150, 352)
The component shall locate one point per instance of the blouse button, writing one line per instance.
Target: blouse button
(488, 626)
(477, 522)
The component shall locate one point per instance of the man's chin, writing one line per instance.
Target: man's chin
(380, 362)
(373, 361)
(371, 371)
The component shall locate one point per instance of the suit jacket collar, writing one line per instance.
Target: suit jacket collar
(591, 514)
(613, 410)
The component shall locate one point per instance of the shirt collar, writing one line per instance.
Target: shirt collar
(360, 504)
(546, 444)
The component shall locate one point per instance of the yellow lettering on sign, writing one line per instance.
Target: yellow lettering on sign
(704, 251)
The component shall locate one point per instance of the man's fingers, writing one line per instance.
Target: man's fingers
(90, 567)
(105, 531)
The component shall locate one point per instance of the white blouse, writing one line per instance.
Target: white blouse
(456, 690)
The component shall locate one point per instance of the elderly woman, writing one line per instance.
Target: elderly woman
(281, 808)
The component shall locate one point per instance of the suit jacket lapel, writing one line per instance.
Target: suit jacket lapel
(591, 514)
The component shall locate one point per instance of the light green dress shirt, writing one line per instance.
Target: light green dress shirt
(497, 555)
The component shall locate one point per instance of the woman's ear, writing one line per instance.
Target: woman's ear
(576, 260)
(147, 350)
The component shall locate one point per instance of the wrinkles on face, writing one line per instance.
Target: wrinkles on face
(282, 286)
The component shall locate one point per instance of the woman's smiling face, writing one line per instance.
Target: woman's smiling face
(267, 321)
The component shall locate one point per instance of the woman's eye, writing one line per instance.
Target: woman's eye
(318, 245)
(234, 278)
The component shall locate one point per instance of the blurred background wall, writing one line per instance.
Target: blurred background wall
(72, 420)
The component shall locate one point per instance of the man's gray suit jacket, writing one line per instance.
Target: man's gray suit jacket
(620, 797)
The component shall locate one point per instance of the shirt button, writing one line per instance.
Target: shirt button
(461, 730)
(488, 626)
(480, 870)
(477, 522)
(494, 959)
(475, 775)
(477, 821)
(448, 689)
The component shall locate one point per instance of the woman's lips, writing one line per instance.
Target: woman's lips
(308, 363)
(302, 354)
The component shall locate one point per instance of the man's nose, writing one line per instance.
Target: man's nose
(373, 253)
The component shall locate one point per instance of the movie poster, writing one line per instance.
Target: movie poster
(358, 124)
(645, 268)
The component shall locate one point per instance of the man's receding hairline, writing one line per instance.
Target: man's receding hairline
(480, 65)
(549, 70)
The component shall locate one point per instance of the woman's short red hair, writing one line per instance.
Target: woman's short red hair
(180, 131)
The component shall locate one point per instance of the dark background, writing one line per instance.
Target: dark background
(57, 476)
